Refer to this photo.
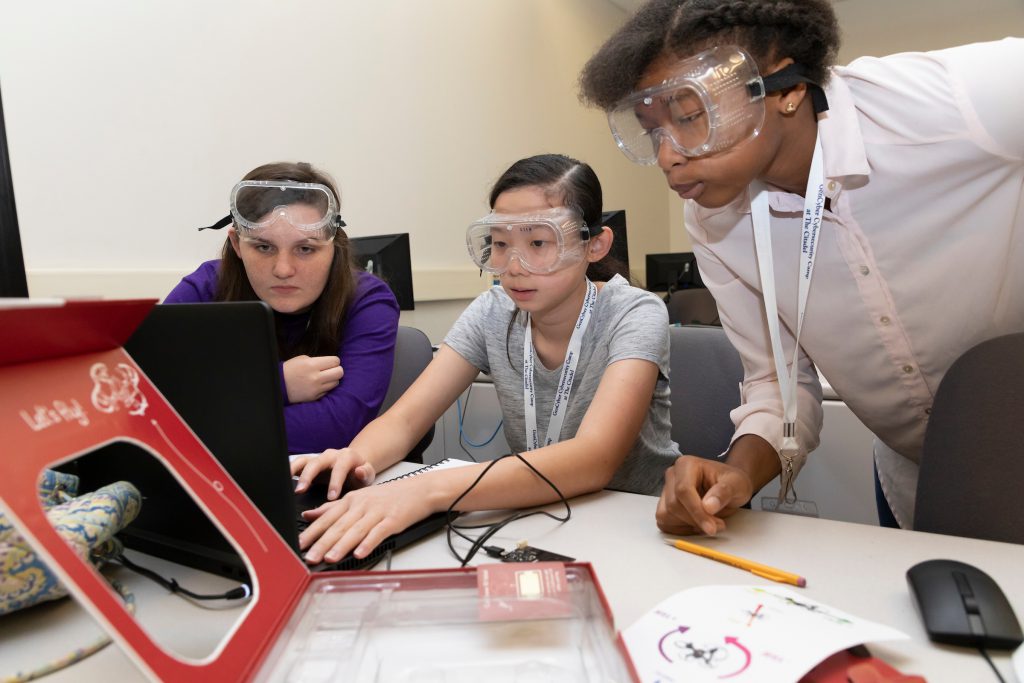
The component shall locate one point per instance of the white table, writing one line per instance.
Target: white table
(856, 568)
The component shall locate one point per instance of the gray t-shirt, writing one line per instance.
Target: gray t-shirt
(627, 323)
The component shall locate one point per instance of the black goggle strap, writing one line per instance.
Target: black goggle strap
(219, 224)
(336, 223)
(787, 77)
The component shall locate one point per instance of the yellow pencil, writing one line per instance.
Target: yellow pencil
(762, 570)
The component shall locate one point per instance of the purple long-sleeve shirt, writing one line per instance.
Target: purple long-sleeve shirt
(367, 351)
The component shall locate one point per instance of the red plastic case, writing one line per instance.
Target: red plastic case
(374, 626)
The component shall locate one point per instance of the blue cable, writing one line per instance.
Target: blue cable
(462, 434)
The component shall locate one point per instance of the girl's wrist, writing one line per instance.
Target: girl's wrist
(416, 490)
(369, 456)
(438, 489)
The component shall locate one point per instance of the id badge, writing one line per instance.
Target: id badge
(793, 506)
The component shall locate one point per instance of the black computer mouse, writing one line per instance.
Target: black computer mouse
(962, 605)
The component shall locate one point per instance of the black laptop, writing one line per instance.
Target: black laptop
(217, 365)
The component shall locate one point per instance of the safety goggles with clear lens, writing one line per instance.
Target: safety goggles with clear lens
(259, 204)
(541, 242)
(712, 102)
(256, 204)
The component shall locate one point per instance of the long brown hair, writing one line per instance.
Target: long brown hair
(323, 333)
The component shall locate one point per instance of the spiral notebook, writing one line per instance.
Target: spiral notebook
(405, 469)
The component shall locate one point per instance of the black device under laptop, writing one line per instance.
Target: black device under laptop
(217, 365)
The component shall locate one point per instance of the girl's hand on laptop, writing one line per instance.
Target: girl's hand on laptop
(347, 467)
(308, 378)
(362, 519)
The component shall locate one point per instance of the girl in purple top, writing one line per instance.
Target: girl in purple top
(336, 326)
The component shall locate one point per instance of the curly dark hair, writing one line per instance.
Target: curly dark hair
(805, 30)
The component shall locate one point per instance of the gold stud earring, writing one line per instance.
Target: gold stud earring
(790, 107)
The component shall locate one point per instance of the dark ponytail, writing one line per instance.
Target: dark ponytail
(575, 185)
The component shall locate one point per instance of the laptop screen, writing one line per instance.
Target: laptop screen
(217, 365)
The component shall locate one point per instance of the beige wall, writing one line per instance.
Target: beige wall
(882, 27)
(129, 122)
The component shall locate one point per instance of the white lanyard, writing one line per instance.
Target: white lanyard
(572, 356)
(814, 203)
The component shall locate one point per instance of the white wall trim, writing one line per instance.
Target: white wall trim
(443, 284)
(433, 284)
(105, 284)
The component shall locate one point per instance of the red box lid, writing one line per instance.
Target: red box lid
(67, 361)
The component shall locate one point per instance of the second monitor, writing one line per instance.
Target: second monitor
(669, 272)
(387, 257)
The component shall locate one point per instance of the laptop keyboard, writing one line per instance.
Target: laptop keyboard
(350, 562)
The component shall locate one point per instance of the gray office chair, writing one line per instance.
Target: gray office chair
(705, 378)
(972, 463)
(693, 306)
(413, 352)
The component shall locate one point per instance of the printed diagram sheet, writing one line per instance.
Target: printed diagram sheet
(742, 633)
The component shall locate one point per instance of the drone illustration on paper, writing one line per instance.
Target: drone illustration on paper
(725, 655)
(741, 633)
(807, 607)
(755, 615)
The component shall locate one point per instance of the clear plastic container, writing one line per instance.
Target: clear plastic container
(427, 627)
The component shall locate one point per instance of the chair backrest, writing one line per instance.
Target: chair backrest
(972, 463)
(706, 372)
(413, 352)
(692, 306)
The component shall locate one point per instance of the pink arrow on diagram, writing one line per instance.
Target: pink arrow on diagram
(730, 640)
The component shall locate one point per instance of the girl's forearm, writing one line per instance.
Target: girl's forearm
(385, 441)
(510, 483)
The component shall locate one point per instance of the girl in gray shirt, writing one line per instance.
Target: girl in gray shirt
(579, 360)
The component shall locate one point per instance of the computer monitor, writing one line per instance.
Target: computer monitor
(616, 220)
(12, 265)
(387, 257)
(669, 272)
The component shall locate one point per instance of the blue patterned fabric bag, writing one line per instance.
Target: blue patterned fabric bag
(88, 523)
